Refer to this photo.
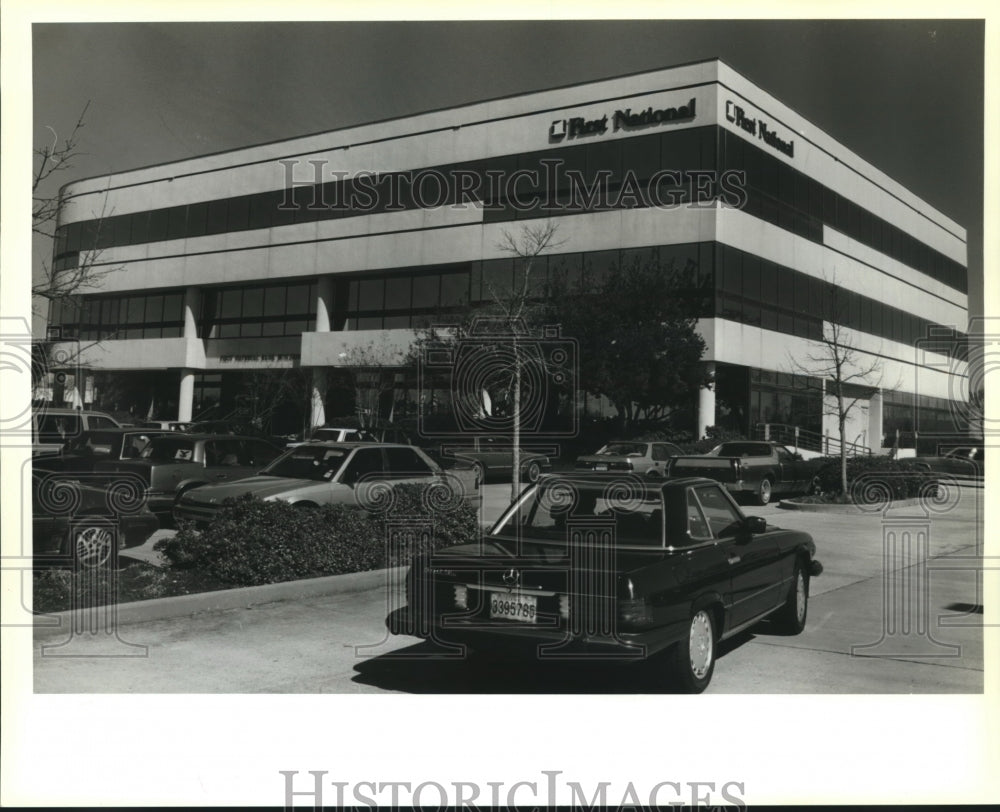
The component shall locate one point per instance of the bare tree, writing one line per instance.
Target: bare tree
(371, 369)
(850, 376)
(62, 281)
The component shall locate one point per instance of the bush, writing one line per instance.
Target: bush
(876, 479)
(254, 542)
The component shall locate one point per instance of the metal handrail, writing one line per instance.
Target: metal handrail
(799, 437)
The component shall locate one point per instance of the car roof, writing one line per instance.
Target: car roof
(603, 479)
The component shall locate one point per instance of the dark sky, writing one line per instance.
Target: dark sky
(905, 95)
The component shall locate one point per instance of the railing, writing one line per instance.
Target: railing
(796, 437)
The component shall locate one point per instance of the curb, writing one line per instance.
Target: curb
(223, 599)
(860, 510)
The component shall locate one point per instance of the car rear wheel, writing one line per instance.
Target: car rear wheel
(764, 491)
(694, 656)
(480, 470)
(532, 472)
(792, 617)
(94, 545)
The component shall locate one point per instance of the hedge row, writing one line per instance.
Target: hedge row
(255, 542)
(876, 479)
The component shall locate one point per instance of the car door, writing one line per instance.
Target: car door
(754, 560)
(225, 460)
(404, 465)
(794, 471)
(660, 459)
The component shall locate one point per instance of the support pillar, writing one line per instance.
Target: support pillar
(192, 297)
(875, 439)
(185, 399)
(706, 402)
(324, 303)
(317, 409)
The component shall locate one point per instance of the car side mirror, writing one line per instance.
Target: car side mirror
(756, 524)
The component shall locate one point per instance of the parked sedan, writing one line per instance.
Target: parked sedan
(578, 566)
(84, 452)
(175, 462)
(325, 473)
(76, 524)
(493, 457)
(962, 462)
(648, 459)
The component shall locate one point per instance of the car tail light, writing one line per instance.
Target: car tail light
(461, 596)
(564, 606)
(736, 468)
(634, 612)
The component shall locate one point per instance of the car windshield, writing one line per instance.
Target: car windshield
(624, 449)
(563, 510)
(741, 450)
(94, 443)
(309, 462)
(169, 449)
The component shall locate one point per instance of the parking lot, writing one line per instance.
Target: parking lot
(854, 642)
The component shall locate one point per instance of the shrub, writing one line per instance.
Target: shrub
(876, 479)
(255, 542)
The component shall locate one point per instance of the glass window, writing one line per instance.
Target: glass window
(172, 304)
(498, 275)
(253, 302)
(641, 155)
(218, 216)
(158, 221)
(135, 310)
(239, 214)
(406, 462)
(299, 300)
(397, 293)
(122, 229)
(177, 222)
(230, 303)
(274, 301)
(425, 290)
(260, 210)
(197, 216)
(697, 526)
(372, 294)
(154, 308)
(751, 277)
(454, 289)
(769, 281)
(722, 517)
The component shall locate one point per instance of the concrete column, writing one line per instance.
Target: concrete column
(706, 402)
(185, 400)
(192, 297)
(875, 421)
(324, 303)
(317, 411)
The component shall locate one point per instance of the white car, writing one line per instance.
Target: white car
(332, 434)
(325, 473)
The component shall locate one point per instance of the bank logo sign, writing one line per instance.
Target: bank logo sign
(757, 126)
(627, 119)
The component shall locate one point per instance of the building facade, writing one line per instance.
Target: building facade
(299, 253)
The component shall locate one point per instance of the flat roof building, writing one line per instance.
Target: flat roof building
(289, 254)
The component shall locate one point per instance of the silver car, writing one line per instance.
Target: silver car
(326, 473)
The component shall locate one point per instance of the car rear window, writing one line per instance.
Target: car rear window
(624, 449)
(742, 450)
(563, 511)
(169, 449)
(308, 462)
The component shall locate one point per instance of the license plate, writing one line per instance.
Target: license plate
(513, 606)
(601, 466)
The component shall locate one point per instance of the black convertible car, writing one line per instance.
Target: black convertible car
(614, 567)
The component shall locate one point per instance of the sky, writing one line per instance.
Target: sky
(905, 95)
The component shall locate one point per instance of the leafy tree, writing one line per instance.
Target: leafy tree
(637, 340)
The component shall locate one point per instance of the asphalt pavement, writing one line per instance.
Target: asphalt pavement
(897, 610)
